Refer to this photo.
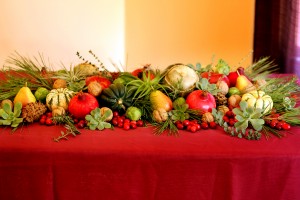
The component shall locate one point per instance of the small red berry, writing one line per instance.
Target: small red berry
(204, 125)
(126, 121)
(114, 121)
(193, 129)
(126, 126)
(49, 122)
(198, 126)
(186, 122)
(229, 114)
(115, 114)
(213, 125)
(80, 124)
(49, 114)
(286, 126)
(180, 126)
(225, 118)
(133, 126)
(42, 121)
(140, 123)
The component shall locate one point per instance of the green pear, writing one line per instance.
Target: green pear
(25, 96)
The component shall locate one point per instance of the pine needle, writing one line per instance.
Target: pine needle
(261, 68)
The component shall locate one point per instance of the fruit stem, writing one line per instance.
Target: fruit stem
(237, 71)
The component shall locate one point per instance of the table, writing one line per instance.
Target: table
(137, 165)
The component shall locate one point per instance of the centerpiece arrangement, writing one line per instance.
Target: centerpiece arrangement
(247, 102)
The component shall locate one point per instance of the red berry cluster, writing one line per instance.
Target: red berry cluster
(229, 117)
(193, 125)
(122, 122)
(46, 119)
(276, 123)
(79, 123)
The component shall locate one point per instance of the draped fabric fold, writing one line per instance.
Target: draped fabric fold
(276, 33)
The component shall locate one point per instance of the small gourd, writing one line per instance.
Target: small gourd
(59, 97)
(258, 99)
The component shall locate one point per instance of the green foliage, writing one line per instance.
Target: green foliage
(203, 84)
(143, 87)
(218, 116)
(75, 78)
(280, 90)
(180, 110)
(69, 126)
(222, 67)
(97, 121)
(246, 115)
(9, 117)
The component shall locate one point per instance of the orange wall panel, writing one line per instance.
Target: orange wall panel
(163, 32)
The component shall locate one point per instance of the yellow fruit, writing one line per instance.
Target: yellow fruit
(160, 100)
(24, 96)
(258, 99)
(243, 83)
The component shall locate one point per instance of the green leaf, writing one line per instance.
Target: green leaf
(5, 122)
(257, 123)
(107, 113)
(18, 106)
(243, 105)
(3, 114)
(237, 111)
(92, 126)
(100, 126)
(239, 118)
(88, 117)
(7, 108)
(257, 114)
(241, 125)
(107, 125)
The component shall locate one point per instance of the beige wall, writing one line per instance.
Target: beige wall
(163, 32)
(60, 28)
(131, 32)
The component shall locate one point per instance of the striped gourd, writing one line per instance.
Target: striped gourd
(258, 99)
(59, 97)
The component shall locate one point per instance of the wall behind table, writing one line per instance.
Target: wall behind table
(59, 29)
(163, 32)
(131, 32)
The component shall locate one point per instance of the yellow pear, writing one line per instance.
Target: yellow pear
(24, 96)
(160, 100)
(242, 83)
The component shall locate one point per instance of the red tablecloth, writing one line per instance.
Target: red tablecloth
(137, 165)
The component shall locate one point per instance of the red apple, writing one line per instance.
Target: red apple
(232, 76)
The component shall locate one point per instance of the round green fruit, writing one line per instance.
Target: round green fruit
(233, 90)
(133, 113)
(41, 94)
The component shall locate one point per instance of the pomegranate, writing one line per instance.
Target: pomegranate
(82, 104)
(201, 100)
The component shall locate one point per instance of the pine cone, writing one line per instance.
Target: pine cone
(221, 99)
(33, 111)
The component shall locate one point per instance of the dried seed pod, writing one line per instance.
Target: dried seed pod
(160, 115)
(59, 83)
(223, 109)
(207, 117)
(95, 88)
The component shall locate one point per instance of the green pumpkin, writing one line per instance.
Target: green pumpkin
(116, 97)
